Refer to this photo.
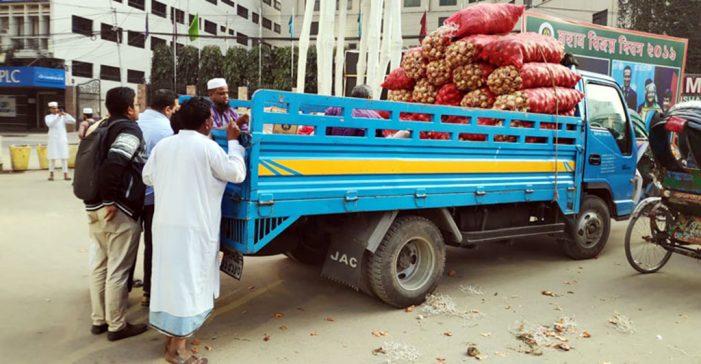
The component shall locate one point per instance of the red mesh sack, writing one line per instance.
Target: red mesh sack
(517, 49)
(399, 95)
(414, 64)
(472, 76)
(398, 80)
(485, 19)
(449, 95)
(508, 79)
(480, 98)
(545, 100)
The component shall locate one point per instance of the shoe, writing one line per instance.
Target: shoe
(128, 331)
(145, 300)
(98, 329)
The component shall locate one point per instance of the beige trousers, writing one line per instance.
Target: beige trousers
(112, 254)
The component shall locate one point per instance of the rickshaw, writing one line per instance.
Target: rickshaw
(671, 222)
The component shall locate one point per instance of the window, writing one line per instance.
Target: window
(159, 8)
(228, 2)
(231, 32)
(242, 11)
(107, 32)
(315, 28)
(441, 20)
(135, 76)
(267, 23)
(600, 17)
(177, 15)
(242, 39)
(412, 3)
(352, 46)
(139, 4)
(255, 18)
(82, 26)
(212, 1)
(222, 29)
(349, 6)
(267, 2)
(278, 5)
(606, 111)
(210, 27)
(276, 26)
(82, 69)
(448, 2)
(110, 73)
(136, 39)
(157, 42)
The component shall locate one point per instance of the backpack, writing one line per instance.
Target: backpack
(91, 154)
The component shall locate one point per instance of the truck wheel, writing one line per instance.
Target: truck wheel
(408, 262)
(310, 250)
(589, 232)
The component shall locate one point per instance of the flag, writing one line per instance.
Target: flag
(423, 31)
(194, 31)
(146, 29)
(291, 27)
(360, 25)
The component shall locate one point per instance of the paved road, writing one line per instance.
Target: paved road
(45, 309)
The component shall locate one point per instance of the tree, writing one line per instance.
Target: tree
(188, 67)
(677, 18)
(162, 67)
(237, 67)
(211, 66)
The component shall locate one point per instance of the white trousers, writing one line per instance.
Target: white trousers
(64, 165)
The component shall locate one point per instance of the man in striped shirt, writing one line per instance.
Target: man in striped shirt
(222, 112)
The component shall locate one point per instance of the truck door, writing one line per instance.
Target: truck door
(610, 147)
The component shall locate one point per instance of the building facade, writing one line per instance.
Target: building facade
(102, 44)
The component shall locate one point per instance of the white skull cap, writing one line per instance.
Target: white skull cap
(53, 104)
(216, 83)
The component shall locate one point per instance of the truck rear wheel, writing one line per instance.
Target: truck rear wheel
(589, 232)
(408, 263)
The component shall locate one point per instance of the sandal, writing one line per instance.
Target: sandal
(180, 359)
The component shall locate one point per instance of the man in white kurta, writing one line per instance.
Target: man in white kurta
(189, 173)
(58, 139)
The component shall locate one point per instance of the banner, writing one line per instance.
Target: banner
(692, 87)
(648, 67)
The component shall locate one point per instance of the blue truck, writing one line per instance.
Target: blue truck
(376, 213)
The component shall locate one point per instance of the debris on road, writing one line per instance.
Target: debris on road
(622, 323)
(313, 333)
(329, 319)
(473, 352)
(410, 308)
(448, 333)
(471, 290)
(279, 315)
(380, 333)
(266, 337)
(438, 304)
(397, 352)
(553, 336)
(550, 294)
(283, 327)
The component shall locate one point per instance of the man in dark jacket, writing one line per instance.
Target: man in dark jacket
(114, 218)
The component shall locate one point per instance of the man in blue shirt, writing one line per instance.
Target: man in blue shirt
(155, 125)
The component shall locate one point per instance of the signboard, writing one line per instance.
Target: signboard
(8, 106)
(692, 87)
(32, 77)
(648, 67)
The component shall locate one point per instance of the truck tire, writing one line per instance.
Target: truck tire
(310, 250)
(408, 263)
(589, 232)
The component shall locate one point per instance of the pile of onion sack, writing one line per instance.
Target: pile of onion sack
(473, 61)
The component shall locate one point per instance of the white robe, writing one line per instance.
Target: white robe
(58, 138)
(188, 172)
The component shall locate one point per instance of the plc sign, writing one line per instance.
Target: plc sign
(9, 76)
(692, 87)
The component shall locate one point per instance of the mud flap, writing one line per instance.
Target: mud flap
(345, 258)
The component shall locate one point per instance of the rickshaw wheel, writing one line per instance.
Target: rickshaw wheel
(643, 235)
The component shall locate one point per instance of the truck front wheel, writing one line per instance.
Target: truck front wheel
(589, 231)
(408, 262)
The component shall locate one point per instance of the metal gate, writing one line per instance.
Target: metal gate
(89, 96)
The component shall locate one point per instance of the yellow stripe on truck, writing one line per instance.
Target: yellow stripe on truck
(328, 167)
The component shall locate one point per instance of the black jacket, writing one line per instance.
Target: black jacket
(119, 178)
